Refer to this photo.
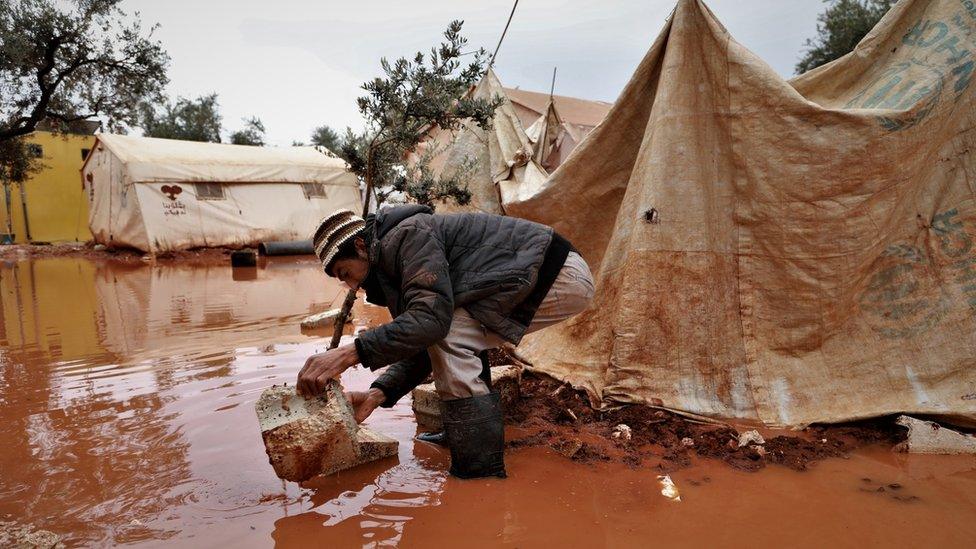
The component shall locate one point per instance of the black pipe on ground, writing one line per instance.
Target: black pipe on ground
(291, 247)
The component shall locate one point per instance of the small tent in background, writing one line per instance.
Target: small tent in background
(576, 118)
(502, 156)
(547, 135)
(792, 252)
(160, 195)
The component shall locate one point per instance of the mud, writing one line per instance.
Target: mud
(551, 413)
(127, 392)
(88, 250)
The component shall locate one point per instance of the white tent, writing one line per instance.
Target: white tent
(162, 195)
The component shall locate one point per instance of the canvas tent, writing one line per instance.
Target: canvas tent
(567, 120)
(550, 136)
(502, 156)
(162, 195)
(791, 252)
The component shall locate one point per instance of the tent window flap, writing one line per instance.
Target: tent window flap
(209, 191)
(313, 190)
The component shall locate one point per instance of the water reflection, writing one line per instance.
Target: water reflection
(126, 411)
(108, 369)
(373, 505)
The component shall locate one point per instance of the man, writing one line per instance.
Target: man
(456, 286)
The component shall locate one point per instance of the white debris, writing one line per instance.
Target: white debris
(622, 431)
(751, 437)
(759, 449)
(321, 320)
(928, 437)
(668, 488)
(17, 536)
(688, 442)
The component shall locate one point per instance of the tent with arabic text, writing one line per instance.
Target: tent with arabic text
(788, 251)
(159, 195)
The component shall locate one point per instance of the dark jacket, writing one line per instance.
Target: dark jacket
(423, 266)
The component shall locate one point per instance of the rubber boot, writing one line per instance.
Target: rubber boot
(440, 437)
(475, 431)
(476, 436)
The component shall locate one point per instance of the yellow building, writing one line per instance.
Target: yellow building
(52, 198)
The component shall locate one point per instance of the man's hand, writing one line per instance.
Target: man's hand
(320, 368)
(364, 402)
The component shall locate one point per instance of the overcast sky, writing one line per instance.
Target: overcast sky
(297, 64)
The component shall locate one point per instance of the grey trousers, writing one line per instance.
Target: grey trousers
(454, 359)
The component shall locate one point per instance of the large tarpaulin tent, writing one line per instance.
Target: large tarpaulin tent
(161, 195)
(501, 158)
(792, 252)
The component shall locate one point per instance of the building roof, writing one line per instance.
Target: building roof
(78, 127)
(583, 112)
(149, 159)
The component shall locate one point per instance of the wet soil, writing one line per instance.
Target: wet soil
(551, 413)
(87, 250)
(127, 392)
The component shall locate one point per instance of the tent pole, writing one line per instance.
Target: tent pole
(23, 205)
(552, 86)
(9, 237)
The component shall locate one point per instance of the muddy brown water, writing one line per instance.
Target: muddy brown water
(126, 417)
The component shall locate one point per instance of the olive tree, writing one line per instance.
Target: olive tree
(64, 61)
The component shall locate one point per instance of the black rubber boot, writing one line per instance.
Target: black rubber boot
(476, 436)
(440, 437)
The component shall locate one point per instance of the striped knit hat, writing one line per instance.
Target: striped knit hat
(334, 231)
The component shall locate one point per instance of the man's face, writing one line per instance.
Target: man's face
(352, 271)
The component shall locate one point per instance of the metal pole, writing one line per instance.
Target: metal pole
(23, 205)
(9, 238)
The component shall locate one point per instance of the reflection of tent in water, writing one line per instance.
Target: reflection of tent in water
(165, 310)
(788, 251)
(163, 194)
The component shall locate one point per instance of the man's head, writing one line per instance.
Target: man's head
(340, 244)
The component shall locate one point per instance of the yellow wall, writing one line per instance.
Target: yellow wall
(56, 205)
(50, 306)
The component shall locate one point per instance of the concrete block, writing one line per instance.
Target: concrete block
(374, 445)
(306, 438)
(427, 403)
(928, 437)
(427, 407)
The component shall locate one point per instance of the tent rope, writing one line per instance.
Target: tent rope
(509, 22)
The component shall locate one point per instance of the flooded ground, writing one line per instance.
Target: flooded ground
(126, 415)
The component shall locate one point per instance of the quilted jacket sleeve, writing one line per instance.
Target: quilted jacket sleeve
(416, 257)
(402, 377)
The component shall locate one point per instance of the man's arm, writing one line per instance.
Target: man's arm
(396, 381)
(402, 377)
(321, 367)
(428, 301)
